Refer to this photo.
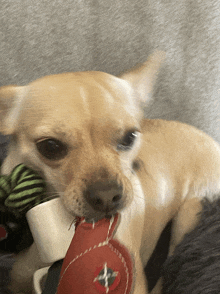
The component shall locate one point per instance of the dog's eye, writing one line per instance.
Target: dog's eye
(52, 149)
(127, 141)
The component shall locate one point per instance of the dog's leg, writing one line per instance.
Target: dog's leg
(140, 278)
(185, 221)
(27, 262)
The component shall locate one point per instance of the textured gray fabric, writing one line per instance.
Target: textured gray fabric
(6, 262)
(45, 37)
(194, 267)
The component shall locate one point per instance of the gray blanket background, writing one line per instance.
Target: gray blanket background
(52, 36)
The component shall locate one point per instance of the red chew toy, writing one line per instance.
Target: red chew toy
(96, 263)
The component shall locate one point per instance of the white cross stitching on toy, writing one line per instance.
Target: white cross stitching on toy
(106, 277)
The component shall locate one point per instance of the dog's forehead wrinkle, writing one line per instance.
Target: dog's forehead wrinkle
(102, 95)
(88, 96)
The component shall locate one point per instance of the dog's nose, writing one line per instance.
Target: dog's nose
(104, 196)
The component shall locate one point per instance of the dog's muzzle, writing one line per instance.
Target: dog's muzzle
(104, 196)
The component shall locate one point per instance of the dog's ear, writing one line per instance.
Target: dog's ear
(143, 77)
(10, 100)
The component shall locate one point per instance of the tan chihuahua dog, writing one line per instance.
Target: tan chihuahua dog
(85, 133)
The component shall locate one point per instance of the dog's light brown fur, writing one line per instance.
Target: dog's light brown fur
(170, 167)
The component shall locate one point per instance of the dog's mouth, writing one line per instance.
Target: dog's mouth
(96, 218)
(96, 215)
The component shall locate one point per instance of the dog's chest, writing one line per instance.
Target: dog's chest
(130, 229)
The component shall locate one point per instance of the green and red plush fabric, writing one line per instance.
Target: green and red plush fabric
(19, 191)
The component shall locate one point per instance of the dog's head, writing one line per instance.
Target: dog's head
(82, 132)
